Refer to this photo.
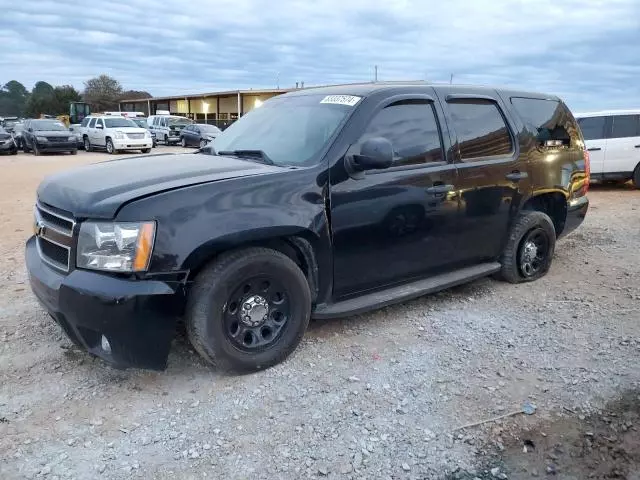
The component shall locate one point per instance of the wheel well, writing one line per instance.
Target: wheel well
(296, 248)
(553, 204)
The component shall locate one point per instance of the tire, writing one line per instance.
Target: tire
(211, 300)
(14, 151)
(528, 224)
(74, 152)
(166, 140)
(183, 142)
(110, 148)
(36, 151)
(203, 143)
(87, 144)
(145, 150)
(636, 176)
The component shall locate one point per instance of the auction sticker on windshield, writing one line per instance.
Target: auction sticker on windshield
(349, 100)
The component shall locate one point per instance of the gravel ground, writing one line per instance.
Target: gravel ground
(374, 396)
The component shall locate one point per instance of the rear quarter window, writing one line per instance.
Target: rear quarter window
(546, 119)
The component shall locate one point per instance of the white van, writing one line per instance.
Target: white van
(167, 128)
(613, 141)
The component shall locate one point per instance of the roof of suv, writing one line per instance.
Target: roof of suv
(364, 89)
(603, 113)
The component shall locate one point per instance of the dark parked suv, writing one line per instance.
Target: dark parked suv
(322, 203)
(48, 135)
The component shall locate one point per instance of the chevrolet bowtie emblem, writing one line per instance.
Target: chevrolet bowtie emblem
(39, 229)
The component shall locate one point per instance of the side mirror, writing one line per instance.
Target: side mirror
(375, 154)
(30, 129)
(99, 126)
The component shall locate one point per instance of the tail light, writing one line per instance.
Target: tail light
(587, 170)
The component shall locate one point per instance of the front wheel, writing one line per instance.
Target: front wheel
(203, 143)
(74, 152)
(145, 150)
(248, 310)
(529, 249)
(110, 148)
(636, 176)
(14, 151)
(87, 144)
(36, 150)
(183, 142)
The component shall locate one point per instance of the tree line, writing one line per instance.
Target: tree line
(102, 93)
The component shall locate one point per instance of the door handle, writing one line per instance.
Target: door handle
(440, 188)
(516, 176)
(597, 149)
(637, 146)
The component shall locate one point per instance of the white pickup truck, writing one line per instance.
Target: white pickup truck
(113, 134)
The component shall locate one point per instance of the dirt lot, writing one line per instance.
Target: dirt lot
(375, 396)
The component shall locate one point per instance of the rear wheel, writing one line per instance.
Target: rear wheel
(87, 144)
(530, 248)
(145, 150)
(183, 142)
(636, 176)
(166, 140)
(203, 143)
(74, 152)
(36, 150)
(14, 151)
(248, 310)
(25, 149)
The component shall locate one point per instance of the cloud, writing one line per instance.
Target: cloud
(584, 51)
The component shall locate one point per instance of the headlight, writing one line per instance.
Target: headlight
(41, 139)
(115, 247)
(72, 138)
(147, 134)
(118, 135)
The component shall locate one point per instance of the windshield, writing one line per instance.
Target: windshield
(141, 122)
(51, 125)
(289, 130)
(209, 129)
(118, 122)
(179, 121)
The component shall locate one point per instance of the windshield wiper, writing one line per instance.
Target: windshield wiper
(259, 154)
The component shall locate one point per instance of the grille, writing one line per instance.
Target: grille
(57, 139)
(135, 136)
(54, 232)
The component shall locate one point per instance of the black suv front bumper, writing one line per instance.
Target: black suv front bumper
(137, 317)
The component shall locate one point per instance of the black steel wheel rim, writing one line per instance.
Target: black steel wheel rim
(256, 313)
(534, 251)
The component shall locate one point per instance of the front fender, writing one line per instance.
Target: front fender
(195, 223)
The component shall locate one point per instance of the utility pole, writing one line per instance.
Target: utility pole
(451, 79)
(376, 73)
(278, 80)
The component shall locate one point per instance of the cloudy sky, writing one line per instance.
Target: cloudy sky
(587, 51)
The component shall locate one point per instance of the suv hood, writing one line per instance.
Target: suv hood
(52, 133)
(128, 129)
(100, 189)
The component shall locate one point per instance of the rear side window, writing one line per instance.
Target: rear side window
(546, 119)
(592, 127)
(481, 129)
(625, 126)
(412, 129)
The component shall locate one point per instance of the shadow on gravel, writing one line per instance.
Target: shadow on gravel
(612, 186)
(605, 445)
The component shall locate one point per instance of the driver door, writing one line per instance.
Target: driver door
(397, 224)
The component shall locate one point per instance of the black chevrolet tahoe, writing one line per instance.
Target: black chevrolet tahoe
(321, 203)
